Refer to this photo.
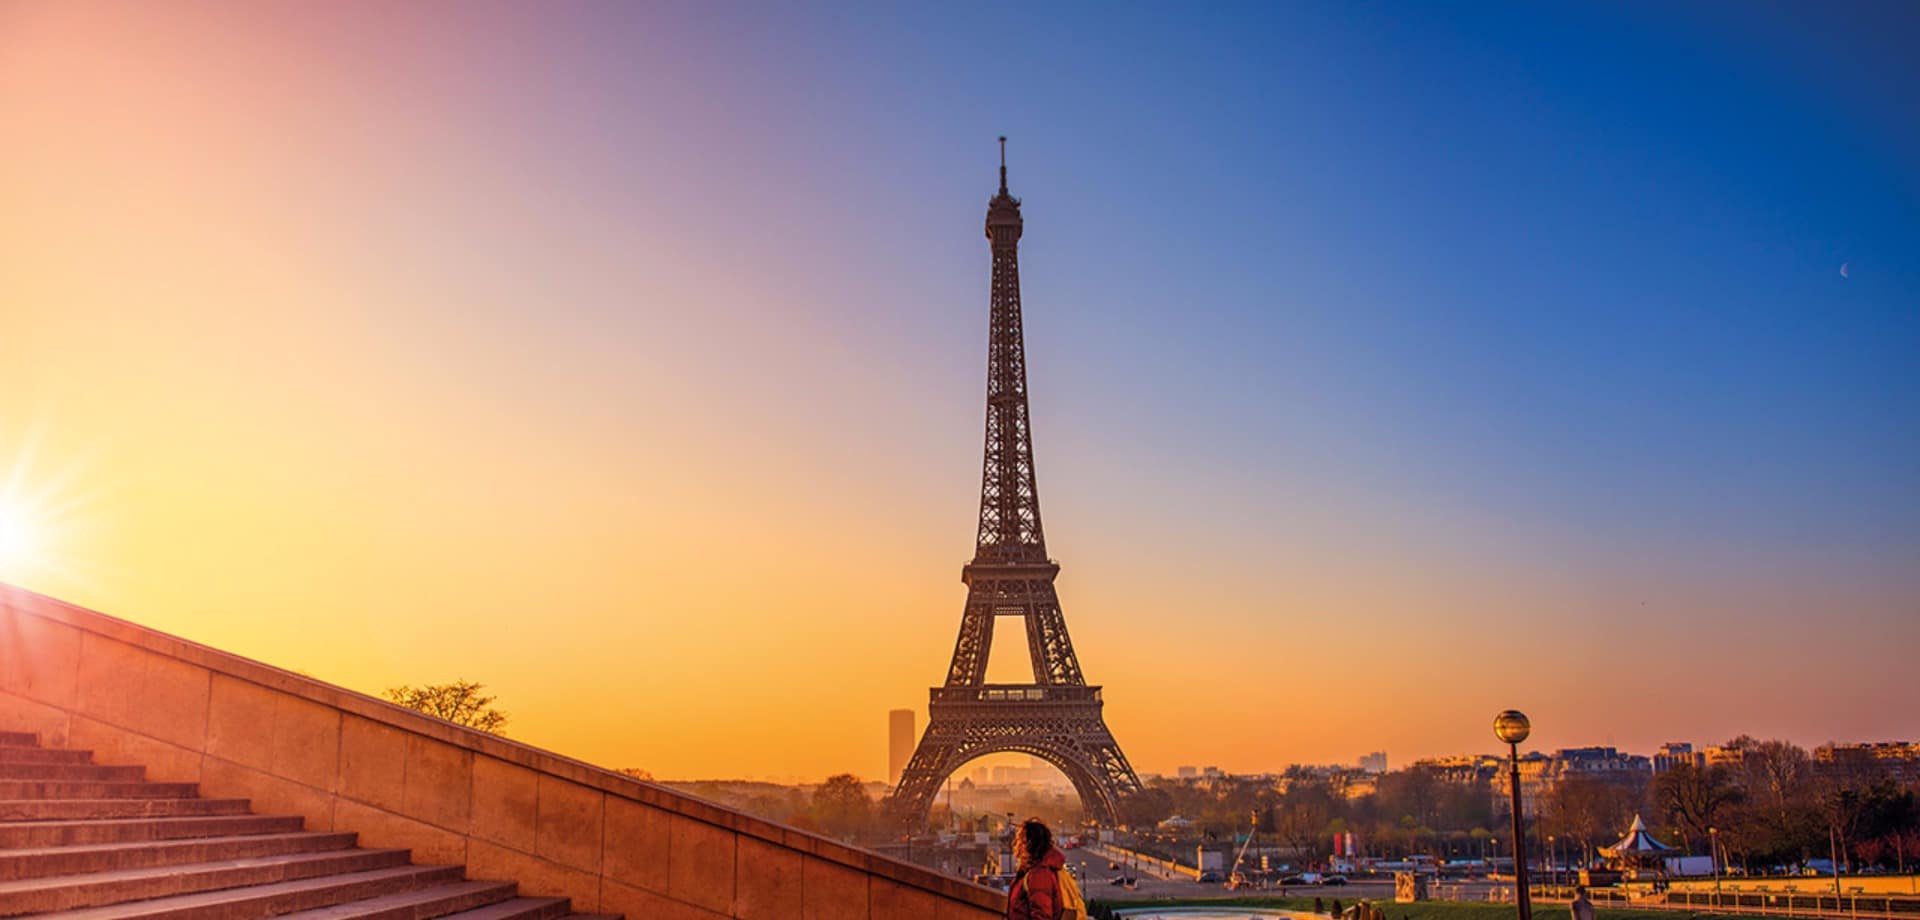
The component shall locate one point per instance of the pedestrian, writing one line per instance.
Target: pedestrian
(1581, 907)
(1035, 892)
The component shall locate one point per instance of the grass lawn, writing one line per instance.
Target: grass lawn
(1420, 910)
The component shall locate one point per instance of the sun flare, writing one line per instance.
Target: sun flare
(16, 539)
(46, 516)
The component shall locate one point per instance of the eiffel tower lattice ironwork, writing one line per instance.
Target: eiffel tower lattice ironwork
(1057, 718)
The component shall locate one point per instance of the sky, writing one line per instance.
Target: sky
(1390, 365)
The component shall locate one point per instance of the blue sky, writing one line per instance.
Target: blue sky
(1582, 263)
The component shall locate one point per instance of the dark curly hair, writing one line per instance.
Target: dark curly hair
(1032, 843)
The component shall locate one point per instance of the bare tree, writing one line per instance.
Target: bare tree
(1587, 810)
(1697, 799)
(1301, 817)
(459, 702)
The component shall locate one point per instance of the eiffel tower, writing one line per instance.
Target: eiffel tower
(1057, 718)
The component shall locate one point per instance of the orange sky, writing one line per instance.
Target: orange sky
(310, 352)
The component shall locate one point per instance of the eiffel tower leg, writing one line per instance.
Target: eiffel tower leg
(970, 651)
(935, 759)
(1053, 658)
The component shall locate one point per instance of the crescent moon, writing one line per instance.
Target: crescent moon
(1843, 268)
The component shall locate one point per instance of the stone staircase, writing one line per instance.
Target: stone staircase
(79, 840)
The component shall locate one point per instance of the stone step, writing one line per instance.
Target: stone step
(72, 772)
(21, 834)
(288, 897)
(66, 789)
(10, 753)
(19, 739)
(44, 862)
(160, 883)
(454, 900)
(82, 809)
(519, 909)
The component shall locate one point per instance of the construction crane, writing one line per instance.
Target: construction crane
(1239, 878)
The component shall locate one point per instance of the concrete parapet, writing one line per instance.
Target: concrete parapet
(346, 761)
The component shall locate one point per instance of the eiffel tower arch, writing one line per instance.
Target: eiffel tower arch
(1058, 717)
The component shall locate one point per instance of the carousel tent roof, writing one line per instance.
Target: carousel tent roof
(1636, 841)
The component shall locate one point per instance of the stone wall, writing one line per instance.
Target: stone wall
(346, 761)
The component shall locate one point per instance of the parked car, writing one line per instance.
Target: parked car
(1209, 877)
(1334, 880)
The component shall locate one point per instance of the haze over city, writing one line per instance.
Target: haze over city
(1387, 371)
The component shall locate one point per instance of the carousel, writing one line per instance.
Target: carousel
(1638, 855)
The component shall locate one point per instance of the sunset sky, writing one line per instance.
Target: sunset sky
(1388, 370)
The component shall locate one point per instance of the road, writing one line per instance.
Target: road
(1091, 869)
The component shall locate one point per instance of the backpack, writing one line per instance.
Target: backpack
(1073, 904)
(1070, 904)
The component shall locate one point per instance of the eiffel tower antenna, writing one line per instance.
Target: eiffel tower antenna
(1003, 164)
(1057, 717)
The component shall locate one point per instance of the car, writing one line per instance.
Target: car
(1114, 866)
(1208, 877)
(1120, 880)
(1334, 880)
(1295, 880)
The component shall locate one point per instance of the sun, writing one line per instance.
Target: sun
(48, 514)
(16, 539)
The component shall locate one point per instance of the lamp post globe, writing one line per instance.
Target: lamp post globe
(1512, 726)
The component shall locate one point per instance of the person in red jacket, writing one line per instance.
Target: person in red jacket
(1035, 893)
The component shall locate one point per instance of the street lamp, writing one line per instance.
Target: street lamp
(1713, 850)
(1512, 727)
(1553, 863)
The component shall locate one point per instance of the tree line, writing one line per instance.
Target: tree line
(1773, 805)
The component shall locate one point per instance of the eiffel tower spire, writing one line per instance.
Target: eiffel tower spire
(1009, 500)
(1057, 717)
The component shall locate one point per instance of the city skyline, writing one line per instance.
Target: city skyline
(1388, 370)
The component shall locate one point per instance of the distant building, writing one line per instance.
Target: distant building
(1359, 785)
(1375, 762)
(900, 742)
(1602, 763)
(1675, 753)
(1189, 772)
(1464, 769)
(1722, 756)
(1540, 773)
(1899, 760)
(1005, 775)
(1213, 773)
